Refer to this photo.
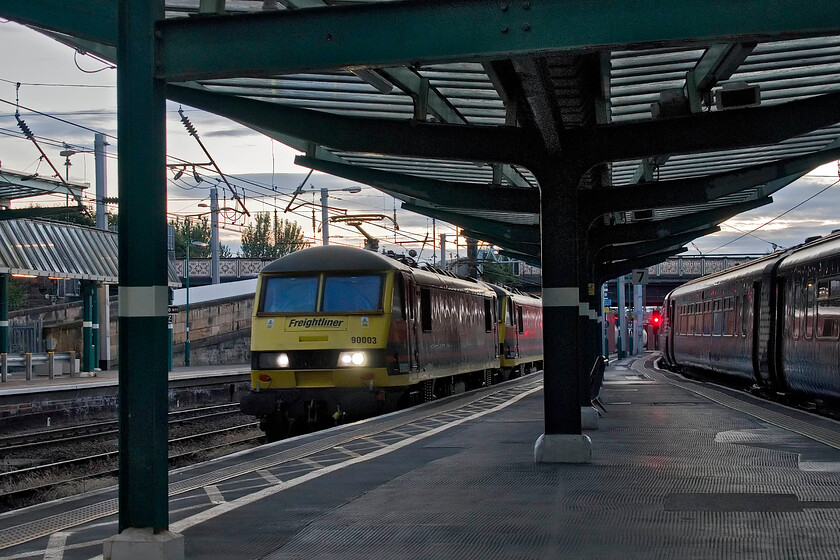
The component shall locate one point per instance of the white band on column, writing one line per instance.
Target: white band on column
(144, 301)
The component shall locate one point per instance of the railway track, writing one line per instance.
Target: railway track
(80, 432)
(21, 485)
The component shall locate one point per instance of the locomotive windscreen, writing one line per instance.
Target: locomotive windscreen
(289, 294)
(352, 293)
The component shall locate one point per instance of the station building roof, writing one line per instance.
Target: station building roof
(61, 250)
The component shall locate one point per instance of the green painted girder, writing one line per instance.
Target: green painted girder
(503, 144)
(531, 249)
(717, 64)
(94, 20)
(428, 31)
(17, 213)
(683, 192)
(530, 259)
(606, 272)
(509, 232)
(601, 236)
(444, 193)
(635, 250)
(714, 131)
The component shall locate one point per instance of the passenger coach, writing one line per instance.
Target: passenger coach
(774, 322)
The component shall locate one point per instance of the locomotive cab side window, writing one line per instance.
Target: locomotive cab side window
(397, 307)
(289, 294)
(426, 309)
(352, 293)
(488, 315)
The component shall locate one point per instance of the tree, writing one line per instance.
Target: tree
(500, 273)
(195, 230)
(267, 238)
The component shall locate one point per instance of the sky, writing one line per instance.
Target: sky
(79, 93)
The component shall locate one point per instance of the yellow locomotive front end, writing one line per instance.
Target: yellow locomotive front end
(319, 339)
(323, 330)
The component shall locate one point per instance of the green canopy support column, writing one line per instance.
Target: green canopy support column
(563, 302)
(143, 293)
(94, 300)
(87, 329)
(4, 313)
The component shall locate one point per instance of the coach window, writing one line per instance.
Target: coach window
(728, 317)
(683, 319)
(745, 313)
(352, 293)
(289, 294)
(809, 309)
(797, 309)
(707, 318)
(717, 317)
(426, 309)
(828, 309)
(692, 318)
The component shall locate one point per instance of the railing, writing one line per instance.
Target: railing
(29, 361)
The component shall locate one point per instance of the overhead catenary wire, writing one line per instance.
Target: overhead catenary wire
(776, 218)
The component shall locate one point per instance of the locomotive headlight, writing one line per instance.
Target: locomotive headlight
(282, 360)
(351, 359)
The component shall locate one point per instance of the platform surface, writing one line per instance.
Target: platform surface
(680, 470)
(17, 384)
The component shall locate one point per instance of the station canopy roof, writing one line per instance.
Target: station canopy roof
(682, 113)
(33, 248)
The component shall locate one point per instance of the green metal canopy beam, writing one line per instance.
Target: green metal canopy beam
(718, 130)
(510, 232)
(717, 64)
(503, 144)
(602, 236)
(530, 249)
(683, 192)
(444, 193)
(428, 31)
(39, 212)
(606, 272)
(626, 251)
(530, 259)
(94, 20)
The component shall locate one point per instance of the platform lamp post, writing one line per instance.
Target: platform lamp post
(325, 229)
(187, 279)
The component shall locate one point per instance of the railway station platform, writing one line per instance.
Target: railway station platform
(680, 469)
(17, 384)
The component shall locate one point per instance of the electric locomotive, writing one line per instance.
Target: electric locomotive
(773, 323)
(340, 333)
(520, 333)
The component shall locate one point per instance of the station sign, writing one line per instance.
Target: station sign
(173, 309)
(607, 302)
(640, 276)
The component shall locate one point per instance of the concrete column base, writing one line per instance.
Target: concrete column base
(563, 448)
(588, 418)
(134, 543)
